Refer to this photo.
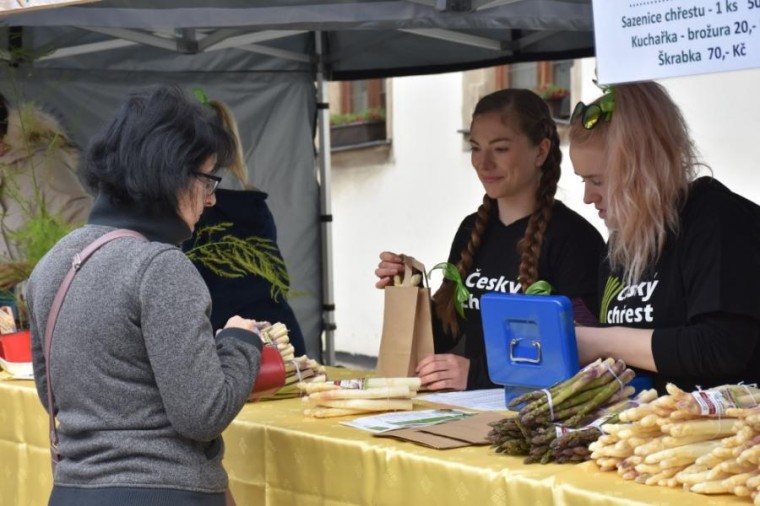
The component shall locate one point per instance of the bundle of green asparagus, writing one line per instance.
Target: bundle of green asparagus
(557, 424)
(358, 396)
(297, 369)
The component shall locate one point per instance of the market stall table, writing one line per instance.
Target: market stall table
(276, 456)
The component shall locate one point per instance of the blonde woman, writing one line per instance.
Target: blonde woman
(679, 282)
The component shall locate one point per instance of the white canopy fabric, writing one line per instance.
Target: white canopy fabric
(268, 60)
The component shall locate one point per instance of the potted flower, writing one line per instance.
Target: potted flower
(357, 128)
(555, 96)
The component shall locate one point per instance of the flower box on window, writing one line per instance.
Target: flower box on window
(558, 107)
(557, 98)
(357, 133)
(357, 128)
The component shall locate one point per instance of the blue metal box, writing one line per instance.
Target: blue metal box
(530, 340)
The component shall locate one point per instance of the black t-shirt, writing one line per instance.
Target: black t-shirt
(702, 296)
(569, 261)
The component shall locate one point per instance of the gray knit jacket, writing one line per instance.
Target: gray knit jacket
(143, 387)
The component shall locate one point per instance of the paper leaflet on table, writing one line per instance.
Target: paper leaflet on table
(482, 400)
(406, 419)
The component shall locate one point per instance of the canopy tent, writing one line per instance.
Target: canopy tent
(268, 59)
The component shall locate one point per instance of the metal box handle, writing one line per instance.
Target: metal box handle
(536, 344)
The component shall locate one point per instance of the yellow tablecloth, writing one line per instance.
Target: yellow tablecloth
(276, 456)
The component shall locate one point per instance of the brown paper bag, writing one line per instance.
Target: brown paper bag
(407, 326)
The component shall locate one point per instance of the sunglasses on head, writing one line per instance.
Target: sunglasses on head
(592, 113)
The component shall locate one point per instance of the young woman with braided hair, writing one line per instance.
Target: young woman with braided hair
(519, 235)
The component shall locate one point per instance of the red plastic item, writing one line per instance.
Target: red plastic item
(17, 347)
(271, 375)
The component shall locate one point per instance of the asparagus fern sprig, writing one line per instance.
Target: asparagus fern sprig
(39, 234)
(228, 256)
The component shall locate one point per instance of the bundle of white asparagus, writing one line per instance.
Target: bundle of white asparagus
(297, 369)
(697, 441)
(358, 396)
(733, 467)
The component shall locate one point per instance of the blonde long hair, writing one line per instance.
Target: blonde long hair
(650, 160)
(237, 167)
(526, 111)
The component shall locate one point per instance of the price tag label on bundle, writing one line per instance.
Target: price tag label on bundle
(714, 402)
(7, 321)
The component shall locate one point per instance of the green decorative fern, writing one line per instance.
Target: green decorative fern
(229, 256)
(42, 229)
(39, 234)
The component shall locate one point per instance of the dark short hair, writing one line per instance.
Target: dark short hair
(3, 116)
(148, 152)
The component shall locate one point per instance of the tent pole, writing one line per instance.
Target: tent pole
(323, 122)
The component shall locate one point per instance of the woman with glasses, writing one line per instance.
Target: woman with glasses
(679, 295)
(259, 295)
(141, 385)
(520, 234)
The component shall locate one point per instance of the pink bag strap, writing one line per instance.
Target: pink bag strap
(76, 264)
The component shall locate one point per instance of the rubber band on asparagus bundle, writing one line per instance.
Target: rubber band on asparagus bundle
(622, 385)
(749, 391)
(298, 369)
(550, 403)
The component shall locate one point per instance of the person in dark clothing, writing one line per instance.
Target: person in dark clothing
(678, 285)
(262, 295)
(519, 235)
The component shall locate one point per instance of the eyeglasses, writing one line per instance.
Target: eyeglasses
(210, 182)
(592, 113)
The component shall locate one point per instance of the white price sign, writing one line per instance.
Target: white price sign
(650, 39)
(18, 6)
